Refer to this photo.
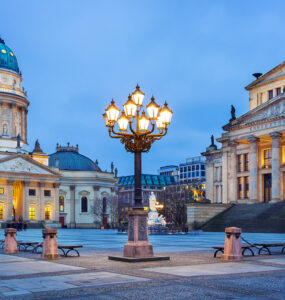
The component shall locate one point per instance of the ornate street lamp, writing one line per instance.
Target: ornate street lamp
(137, 132)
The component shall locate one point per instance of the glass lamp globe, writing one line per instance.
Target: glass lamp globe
(138, 96)
(159, 123)
(143, 122)
(166, 114)
(130, 108)
(152, 109)
(123, 122)
(112, 112)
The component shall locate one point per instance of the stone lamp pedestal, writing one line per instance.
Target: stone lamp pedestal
(232, 250)
(138, 243)
(50, 250)
(10, 241)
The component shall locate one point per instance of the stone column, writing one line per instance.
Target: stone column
(41, 202)
(72, 206)
(12, 106)
(219, 194)
(56, 204)
(10, 199)
(26, 201)
(96, 204)
(276, 174)
(253, 169)
(233, 171)
(225, 199)
(243, 187)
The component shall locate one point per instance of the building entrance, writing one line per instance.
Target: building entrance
(267, 187)
(17, 201)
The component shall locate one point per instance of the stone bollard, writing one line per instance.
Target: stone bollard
(10, 241)
(50, 250)
(232, 250)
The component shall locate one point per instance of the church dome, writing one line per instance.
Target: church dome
(68, 158)
(8, 59)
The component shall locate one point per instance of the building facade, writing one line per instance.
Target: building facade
(64, 188)
(170, 170)
(193, 170)
(250, 165)
(150, 183)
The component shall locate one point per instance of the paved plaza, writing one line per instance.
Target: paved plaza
(191, 273)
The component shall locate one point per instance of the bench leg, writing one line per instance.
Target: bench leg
(264, 248)
(216, 252)
(283, 250)
(64, 254)
(72, 250)
(244, 249)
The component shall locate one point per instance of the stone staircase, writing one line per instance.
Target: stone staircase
(261, 217)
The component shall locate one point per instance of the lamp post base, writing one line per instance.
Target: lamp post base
(138, 245)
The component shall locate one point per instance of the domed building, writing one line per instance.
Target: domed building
(65, 188)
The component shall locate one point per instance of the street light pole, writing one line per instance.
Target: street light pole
(135, 134)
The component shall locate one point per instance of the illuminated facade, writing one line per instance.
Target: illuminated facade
(64, 188)
(250, 166)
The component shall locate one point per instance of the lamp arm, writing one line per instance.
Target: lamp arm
(117, 134)
(113, 136)
(160, 135)
(132, 129)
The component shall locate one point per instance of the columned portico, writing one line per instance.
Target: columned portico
(276, 174)
(253, 169)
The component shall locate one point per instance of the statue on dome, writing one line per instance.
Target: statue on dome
(233, 113)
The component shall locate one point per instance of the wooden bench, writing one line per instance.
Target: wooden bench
(63, 248)
(266, 246)
(69, 248)
(24, 246)
(243, 247)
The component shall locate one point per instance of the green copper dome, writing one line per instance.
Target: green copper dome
(8, 59)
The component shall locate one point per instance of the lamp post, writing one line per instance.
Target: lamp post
(137, 131)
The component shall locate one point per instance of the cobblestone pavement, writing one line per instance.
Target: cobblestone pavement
(190, 274)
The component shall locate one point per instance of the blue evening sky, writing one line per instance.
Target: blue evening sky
(198, 55)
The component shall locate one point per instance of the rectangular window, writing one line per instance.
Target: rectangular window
(267, 158)
(197, 173)
(32, 213)
(202, 167)
(1, 191)
(203, 173)
(189, 168)
(47, 193)
(270, 94)
(239, 166)
(61, 203)
(189, 174)
(197, 167)
(1, 212)
(193, 168)
(246, 187)
(193, 174)
(246, 162)
(185, 169)
(278, 91)
(47, 213)
(32, 192)
(239, 187)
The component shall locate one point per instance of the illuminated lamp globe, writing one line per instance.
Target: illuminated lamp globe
(112, 112)
(123, 122)
(107, 123)
(166, 114)
(159, 123)
(130, 108)
(152, 109)
(143, 122)
(138, 96)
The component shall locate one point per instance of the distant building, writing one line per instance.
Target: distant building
(150, 183)
(193, 170)
(171, 170)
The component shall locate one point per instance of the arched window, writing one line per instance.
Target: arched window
(104, 205)
(84, 206)
(5, 129)
(61, 203)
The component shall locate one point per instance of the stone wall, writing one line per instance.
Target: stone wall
(200, 213)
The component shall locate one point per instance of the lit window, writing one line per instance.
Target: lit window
(239, 187)
(1, 191)
(11, 53)
(267, 158)
(61, 203)
(1, 212)
(3, 51)
(47, 213)
(246, 187)
(32, 213)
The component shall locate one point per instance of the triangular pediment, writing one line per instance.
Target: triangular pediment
(275, 73)
(275, 108)
(24, 164)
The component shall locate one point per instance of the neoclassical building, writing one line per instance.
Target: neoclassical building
(250, 165)
(64, 188)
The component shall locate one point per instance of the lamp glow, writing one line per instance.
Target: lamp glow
(159, 123)
(123, 122)
(112, 112)
(130, 107)
(107, 123)
(166, 114)
(152, 109)
(143, 122)
(138, 96)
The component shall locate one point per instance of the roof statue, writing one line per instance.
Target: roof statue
(37, 148)
(112, 167)
(233, 113)
(212, 147)
(18, 141)
(116, 173)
